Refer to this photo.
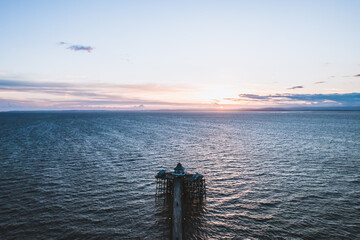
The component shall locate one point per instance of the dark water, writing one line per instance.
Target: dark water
(270, 175)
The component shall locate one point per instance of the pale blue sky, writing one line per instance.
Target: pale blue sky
(162, 54)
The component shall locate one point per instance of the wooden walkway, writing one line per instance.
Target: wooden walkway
(177, 210)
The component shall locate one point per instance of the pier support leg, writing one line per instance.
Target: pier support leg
(177, 210)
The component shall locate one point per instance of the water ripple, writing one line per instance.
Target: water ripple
(269, 175)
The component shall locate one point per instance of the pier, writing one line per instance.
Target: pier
(179, 186)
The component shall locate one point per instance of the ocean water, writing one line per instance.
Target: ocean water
(269, 175)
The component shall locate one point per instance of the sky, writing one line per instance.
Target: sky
(179, 55)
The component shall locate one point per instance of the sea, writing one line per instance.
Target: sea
(91, 175)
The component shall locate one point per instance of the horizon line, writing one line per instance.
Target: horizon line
(269, 109)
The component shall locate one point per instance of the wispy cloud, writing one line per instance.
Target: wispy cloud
(31, 84)
(295, 87)
(42, 86)
(77, 47)
(319, 82)
(22, 95)
(346, 99)
(81, 48)
(87, 96)
(248, 96)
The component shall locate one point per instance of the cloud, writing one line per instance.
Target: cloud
(320, 82)
(81, 48)
(345, 99)
(60, 88)
(357, 75)
(77, 47)
(20, 94)
(31, 84)
(253, 96)
(87, 96)
(4, 83)
(48, 88)
(295, 87)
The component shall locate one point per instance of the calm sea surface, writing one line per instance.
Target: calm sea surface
(269, 175)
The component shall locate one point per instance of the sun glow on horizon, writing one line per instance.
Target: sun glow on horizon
(215, 94)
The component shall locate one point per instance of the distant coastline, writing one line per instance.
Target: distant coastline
(295, 109)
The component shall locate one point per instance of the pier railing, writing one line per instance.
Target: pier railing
(179, 186)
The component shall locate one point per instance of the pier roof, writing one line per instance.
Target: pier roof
(179, 168)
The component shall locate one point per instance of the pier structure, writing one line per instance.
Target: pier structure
(179, 186)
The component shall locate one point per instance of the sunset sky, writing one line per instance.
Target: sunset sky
(132, 55)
